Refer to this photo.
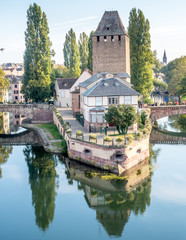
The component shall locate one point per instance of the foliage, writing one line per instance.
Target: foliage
(42, 175)
(140, 52)
(90, 51)
(180, 122)
(143, 117)
(156, 63)
(122, 116)
(4, 83)
(37, 56)
(71, 54)
(182, 87)
(119, 139)
(5, 151)
(174, 72)
(83, 50)
(93, 136)
(79, 133)
(107, 139)
(159, 86)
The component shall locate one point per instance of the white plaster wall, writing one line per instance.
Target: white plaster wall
(121, 100)
(134, 99)
(84, 76)
(91, 101)
(105, 101)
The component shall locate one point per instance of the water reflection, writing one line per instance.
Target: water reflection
(114, 199)
(10, 122)
(42, 178)
(5, 151)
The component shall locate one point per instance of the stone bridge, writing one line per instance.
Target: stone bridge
(162, 137)
(164, 111)
(35, 112)
(24, 138)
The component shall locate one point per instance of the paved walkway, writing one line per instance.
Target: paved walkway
(66, 113)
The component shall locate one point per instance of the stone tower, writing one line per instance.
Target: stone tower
(164, 58)
(111, 45)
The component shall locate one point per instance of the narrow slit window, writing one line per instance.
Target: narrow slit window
(97, 38)
(119, 38)
(105, 38)
(112, 38)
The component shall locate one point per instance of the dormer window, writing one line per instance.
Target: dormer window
(105, 38)
(119, 38)
(97, 38)
(112, 38)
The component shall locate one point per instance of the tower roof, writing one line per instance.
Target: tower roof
(110, 24)
(164, 57)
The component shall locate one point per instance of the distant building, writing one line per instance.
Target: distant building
(16, 87)
(111, 45)
(14, 69)
(164, 59)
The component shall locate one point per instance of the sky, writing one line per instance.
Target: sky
(167, 23)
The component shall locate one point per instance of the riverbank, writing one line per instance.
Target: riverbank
(50, 137)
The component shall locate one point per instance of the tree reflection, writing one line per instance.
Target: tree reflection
(42, 174)
(5, 151)
(115, 199)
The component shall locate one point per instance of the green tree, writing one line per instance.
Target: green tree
(4, 83)
(174, 73)
(160, 86)
(37, 56)
(182, 87)
(42, 175)
(83, 50)
(141, 54)
(156, 63)
(71, 54)
(5, 151)
(90, 51)
(122, 116)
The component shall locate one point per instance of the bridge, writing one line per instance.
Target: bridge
(35, 112)
(164, 137)
(164, 111)
(26, 137)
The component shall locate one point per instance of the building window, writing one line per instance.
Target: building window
(62, 94)
(113, 100)
(119, 38)
(112, 38)
(16, 92)
(15, 86)
(93, 117)
(108, 28)
(127, 99)
(105, 38)
(100, 117)
(16, 97)
(99, 101)
(97, 38)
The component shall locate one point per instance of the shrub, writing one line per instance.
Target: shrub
(130, 138)
(119, 139)
(107, 139)
(69, 130)
(93, 136)
(145, 131)
(139, 135)
(79, 133)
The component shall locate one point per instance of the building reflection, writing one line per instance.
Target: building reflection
(42, 179)
(114, 199)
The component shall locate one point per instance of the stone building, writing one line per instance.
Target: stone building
(111, 45)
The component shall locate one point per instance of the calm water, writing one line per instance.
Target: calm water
(42, 197)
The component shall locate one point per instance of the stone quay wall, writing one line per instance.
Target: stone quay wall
(37, 113)
(107, 157)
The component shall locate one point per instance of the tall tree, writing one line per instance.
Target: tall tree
(141, 54)
(37, 57)
(4, 83)
(83, 50)
(156, 63)
(71, 54)
(90, 51)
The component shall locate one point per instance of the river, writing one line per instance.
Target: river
(43, 196)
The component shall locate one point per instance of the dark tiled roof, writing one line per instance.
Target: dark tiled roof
(110, 87)
(65, 83)
(110, 24)
(90, 80)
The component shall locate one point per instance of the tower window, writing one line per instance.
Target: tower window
(108, 28)
(112, 38)
(105, 38)
(97, 38)
(119, 38)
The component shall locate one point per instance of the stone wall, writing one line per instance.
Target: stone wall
(164, 111)
(75, 102)
(103, 156)
(38, 113)
(111, 56)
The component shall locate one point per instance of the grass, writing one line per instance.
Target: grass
(52, 129)
(62, 144)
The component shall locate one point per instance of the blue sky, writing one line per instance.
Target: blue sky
(167, 20)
